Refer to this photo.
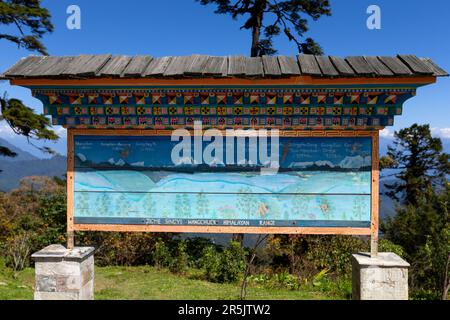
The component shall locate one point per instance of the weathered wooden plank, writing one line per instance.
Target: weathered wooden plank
(254, 67)
(78, 63)
(437, 71)
(271, 66)
(378, 66)
(395, 65)
(137, 66)
(37, 65)
(342, 66)
(157, 66)
(23, 66)
(236, 65)
(326, 66)
(289, 66)
(203, 65)
(86, 65)
(216, 66)
(415, 64)
(361, 66)
(51, 66)
(178, 66)
(115, 66)
(197, 65)
(308, 65)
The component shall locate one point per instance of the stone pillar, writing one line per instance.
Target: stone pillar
(384, 277)
(64, 274)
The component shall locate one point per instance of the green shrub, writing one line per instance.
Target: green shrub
(210, 263)
(233, 263)
(161, 255)
(385, 245)
(276, 281)
(195, 248)
(18, 250)
(287, 280)
(223, 266)
(334, 252)
(180, 263)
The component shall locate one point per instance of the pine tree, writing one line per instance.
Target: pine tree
(186, 206)
(31, 22)
(422, 222)
(148, 205)
(202, 205)
(271, 18)
(421, 163)
(81, 204)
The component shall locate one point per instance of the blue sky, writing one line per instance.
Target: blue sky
(184, 27)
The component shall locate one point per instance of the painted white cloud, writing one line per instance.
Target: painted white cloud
(81, 156)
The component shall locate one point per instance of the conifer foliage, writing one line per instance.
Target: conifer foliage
(269, 18)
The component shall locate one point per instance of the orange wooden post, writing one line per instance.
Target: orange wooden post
(70, 192)
(375, 195)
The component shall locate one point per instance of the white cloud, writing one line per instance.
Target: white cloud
(443, 133)
(387, 133)
(6, 131)
(60, 131)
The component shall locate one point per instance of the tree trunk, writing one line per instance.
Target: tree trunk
(258, 13)
(238, 237)
(255, 41)
(446, 281)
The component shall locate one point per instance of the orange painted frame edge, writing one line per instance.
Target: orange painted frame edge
(71, 226)
(293, 80)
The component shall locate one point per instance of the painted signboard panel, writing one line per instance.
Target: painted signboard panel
(320, 182)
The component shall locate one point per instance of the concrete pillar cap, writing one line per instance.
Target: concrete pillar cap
(383, 259)
(57, 252)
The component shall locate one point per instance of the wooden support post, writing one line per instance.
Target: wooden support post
(70, 240)
(374, 245)
(375, 195)
(70, 191)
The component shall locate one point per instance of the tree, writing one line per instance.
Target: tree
(25, 122)
(422, 223)
(420, 160)
(32, 22)
(423, 231)
(271, 17)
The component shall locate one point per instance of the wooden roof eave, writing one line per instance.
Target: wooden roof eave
(221, 81)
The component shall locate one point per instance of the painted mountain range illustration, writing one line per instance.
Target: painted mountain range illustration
(350, 163)
(317, 180)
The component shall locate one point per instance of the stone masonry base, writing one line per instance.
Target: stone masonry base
(64, 274)
(384, 277)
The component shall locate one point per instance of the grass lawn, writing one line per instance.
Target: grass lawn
(149, 283)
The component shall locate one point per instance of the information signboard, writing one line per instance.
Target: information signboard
(128, 180)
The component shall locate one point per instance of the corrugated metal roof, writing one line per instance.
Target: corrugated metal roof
(97, 66)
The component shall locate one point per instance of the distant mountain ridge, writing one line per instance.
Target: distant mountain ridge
(21, 154)
(25, 165)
